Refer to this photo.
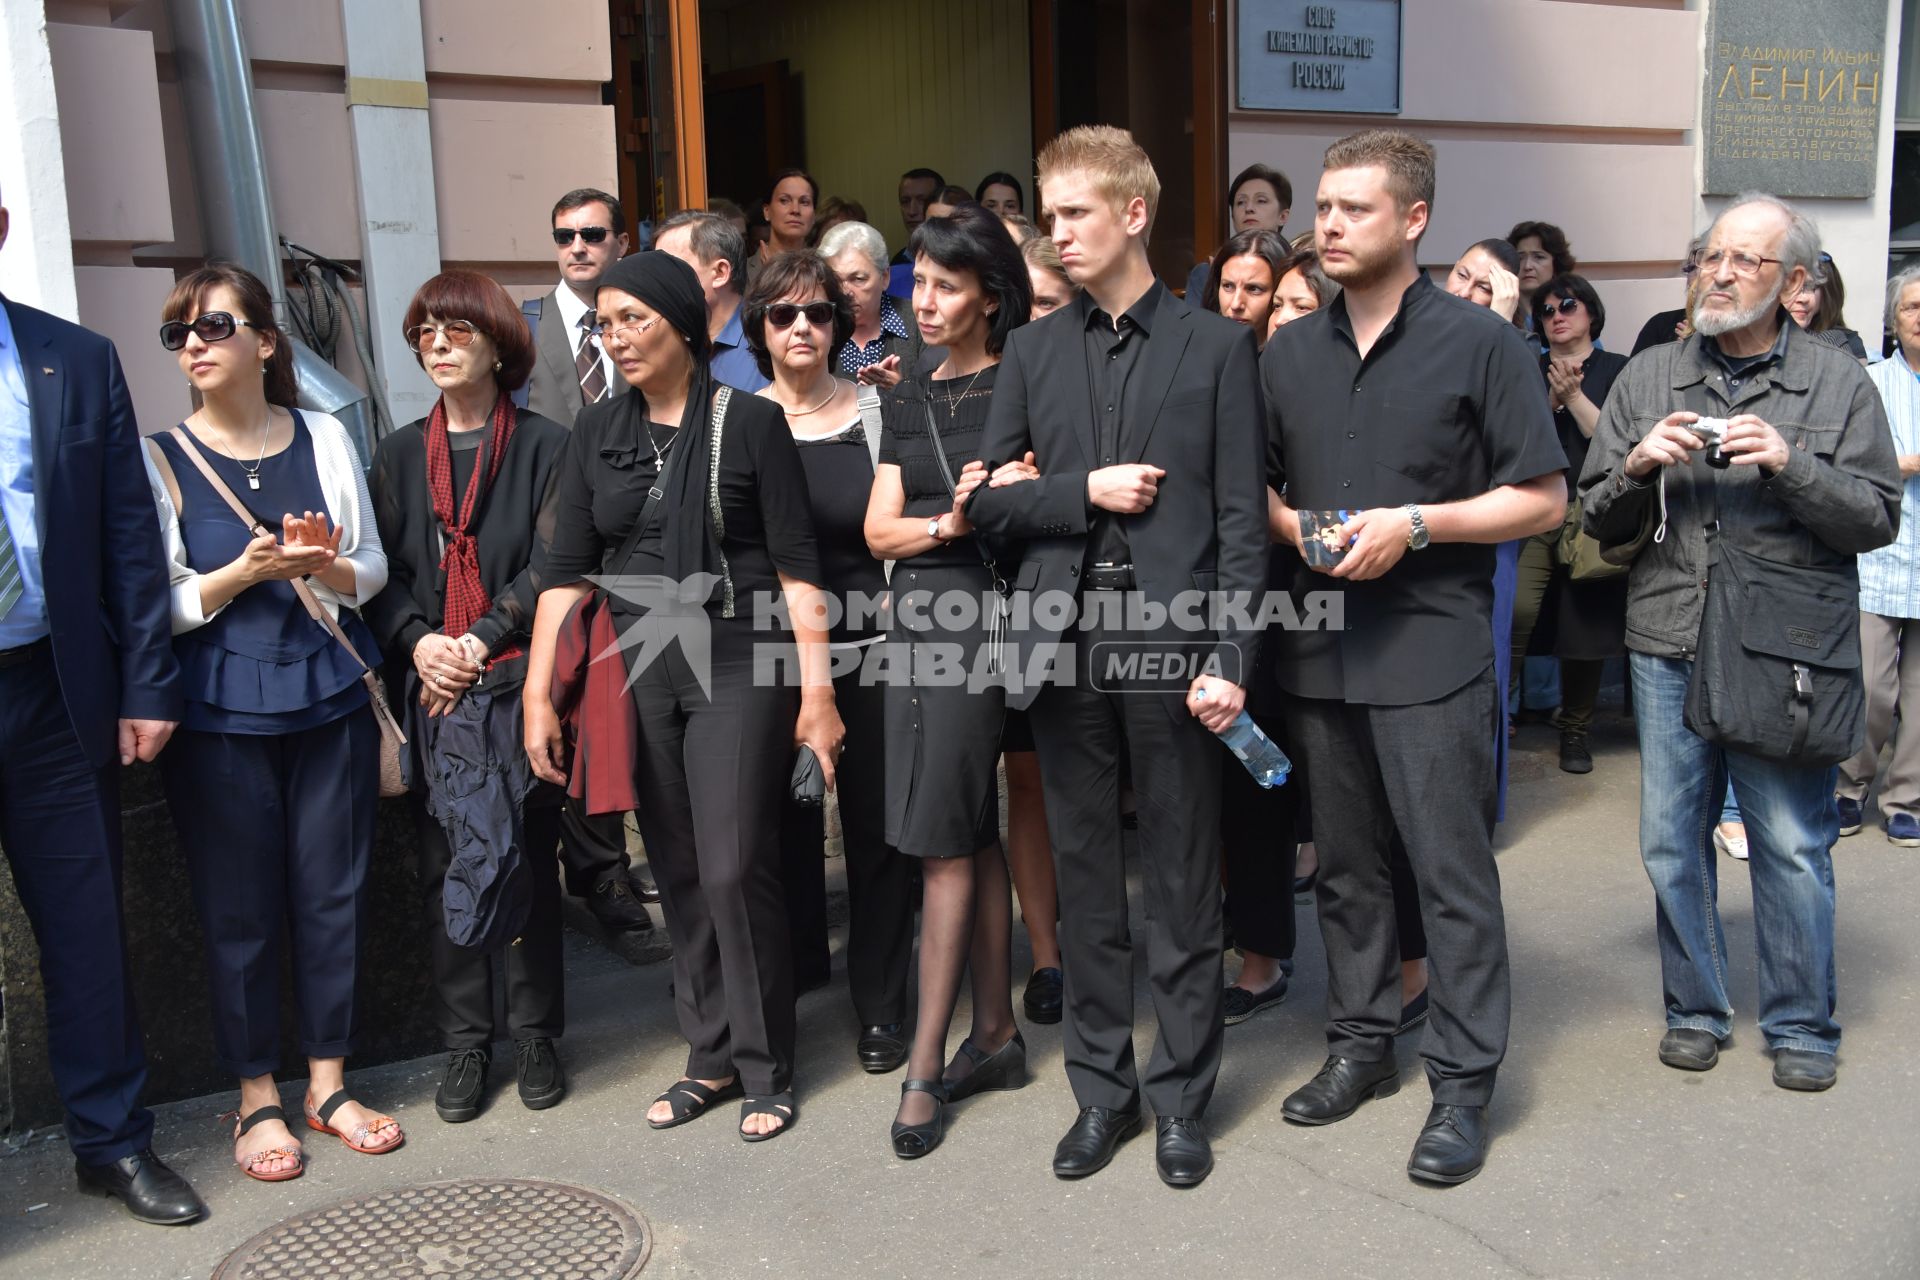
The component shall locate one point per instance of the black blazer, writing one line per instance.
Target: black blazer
(1203, 423)
(101, 556)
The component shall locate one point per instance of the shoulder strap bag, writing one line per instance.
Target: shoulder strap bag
(997, 607)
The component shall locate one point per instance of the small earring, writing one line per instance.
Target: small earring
(497, 366)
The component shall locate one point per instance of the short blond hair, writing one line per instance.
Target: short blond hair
(1409, 162)
(1118, 166)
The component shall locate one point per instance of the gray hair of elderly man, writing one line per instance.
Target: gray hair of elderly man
(1907, 275)
(1801, 248)
(713, 237)
(843, 236)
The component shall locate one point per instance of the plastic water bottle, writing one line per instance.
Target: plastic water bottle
(1266, 762)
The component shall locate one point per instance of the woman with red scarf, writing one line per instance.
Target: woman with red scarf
(456, 496)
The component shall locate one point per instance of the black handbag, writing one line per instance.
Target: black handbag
(1776, 672)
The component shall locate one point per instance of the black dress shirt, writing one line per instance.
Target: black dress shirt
(1446, 406)
(1113, 353)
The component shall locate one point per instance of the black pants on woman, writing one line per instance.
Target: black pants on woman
(463, 977)
(879, 880)
(712, 780)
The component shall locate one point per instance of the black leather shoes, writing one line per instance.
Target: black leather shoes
(1004, 1068)
(1089, 1145)
(640, 883)
(1451, 1147)
(1046, 996)
(1183, 1154)
(1803, 1070)
(151, 1191)
(881, 1048)
(614, 906)
(1689, 1049)
(1337, 1092)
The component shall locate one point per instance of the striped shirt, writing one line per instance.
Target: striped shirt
(1890, 576)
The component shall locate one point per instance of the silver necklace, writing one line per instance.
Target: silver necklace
(953, 401)
(253, 472)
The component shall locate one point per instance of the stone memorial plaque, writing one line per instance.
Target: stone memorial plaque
(1335, 55)
(1793, 93)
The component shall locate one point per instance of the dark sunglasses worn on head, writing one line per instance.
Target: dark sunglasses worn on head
(592, 235)
(214, 326)
(459, 334)
(1565, 306)
(781, 315)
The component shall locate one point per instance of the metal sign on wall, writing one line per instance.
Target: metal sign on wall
(1336, 55)
(1793, 93)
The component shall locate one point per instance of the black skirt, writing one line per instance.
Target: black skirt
(943, 721)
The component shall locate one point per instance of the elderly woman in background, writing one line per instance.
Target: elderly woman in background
(1260, 198)
(885, 342)
(1001, 194)
(457, 496)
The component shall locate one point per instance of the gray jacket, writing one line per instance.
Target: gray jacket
(1838, 495)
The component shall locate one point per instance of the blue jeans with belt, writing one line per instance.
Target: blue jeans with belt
(1791, 827)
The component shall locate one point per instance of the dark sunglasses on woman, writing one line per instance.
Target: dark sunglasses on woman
(1565, 306)
(214, 326)
(459, 334)
(781, 315)
(592, 235)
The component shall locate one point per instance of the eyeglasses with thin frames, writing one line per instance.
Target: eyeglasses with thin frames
(1743, 264)
(628, 332)
(460, 333)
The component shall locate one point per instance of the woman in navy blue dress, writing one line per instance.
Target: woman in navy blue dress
(273, 775)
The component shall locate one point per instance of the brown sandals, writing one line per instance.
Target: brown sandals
(250, 1164)
(318, 1119)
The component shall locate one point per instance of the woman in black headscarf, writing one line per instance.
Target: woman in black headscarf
(692, 498)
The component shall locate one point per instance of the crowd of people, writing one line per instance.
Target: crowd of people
(715, 527)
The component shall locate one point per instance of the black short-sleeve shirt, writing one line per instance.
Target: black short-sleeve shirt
(1447, 405)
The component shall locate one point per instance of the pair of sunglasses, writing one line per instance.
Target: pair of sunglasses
(1566, 306)
(214, 326)
(781, 315)
(459, 334)
(592, 235)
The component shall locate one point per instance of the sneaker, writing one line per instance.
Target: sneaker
(1849, 815)
(614, 905)
(1903, 829)
(1734, 847)
(464, 1086)
(1575, 755)
(542, 1083)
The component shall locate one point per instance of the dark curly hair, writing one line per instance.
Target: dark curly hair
(971, 239)
(1551, 238)
(788, 275)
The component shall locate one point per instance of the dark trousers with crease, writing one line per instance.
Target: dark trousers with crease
(60, 826)
(463, 984)
(712, 778)
(1080, 734)
(278, 832)
(1260, 829)
(1428, 770)
(593, 847)
(879, 879)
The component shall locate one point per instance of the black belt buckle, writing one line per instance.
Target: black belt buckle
(1110, 577)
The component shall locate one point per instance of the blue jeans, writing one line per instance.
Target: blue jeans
(1791, 827)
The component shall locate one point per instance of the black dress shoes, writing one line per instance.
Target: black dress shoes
(151, 1191)
(1004, 1068)
(1689, 1049)
(1046, 996)
(1451, 1147)
(1088, 1146)
(614, 906)
(1337, 1092)
(1183, 1155)
(881, 1048)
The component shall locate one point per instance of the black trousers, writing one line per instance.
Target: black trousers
(1081, 734)
(879, 879)
(60, 827)
(1258, 831)
(278, 832)
(592, 846)
(463, 977)
(1428, 770)
(712, 778)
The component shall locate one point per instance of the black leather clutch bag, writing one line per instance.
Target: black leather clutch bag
(809, 785)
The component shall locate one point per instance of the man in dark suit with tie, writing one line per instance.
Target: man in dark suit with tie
(88, 683)
(571, 370)
(1143, 415)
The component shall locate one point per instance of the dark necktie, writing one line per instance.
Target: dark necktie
(586, 365)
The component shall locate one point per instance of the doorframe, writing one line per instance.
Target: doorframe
(1209, 125)
(689, 103)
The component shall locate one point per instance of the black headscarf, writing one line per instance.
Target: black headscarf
(690, 543)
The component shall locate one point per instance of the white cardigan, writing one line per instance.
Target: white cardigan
(344, 485)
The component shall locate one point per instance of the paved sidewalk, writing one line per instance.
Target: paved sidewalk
(1605, 1163)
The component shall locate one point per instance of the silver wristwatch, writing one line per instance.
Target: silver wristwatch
(1417, 538)
(933, 529)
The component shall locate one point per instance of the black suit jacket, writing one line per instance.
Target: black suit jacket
(1201, 420)
(101, 556)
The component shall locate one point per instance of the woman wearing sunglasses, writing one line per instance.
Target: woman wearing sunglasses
(944, 735)
(457, 496)
(1589, 617)
(797, 316)
(273, 776)
(693, 496)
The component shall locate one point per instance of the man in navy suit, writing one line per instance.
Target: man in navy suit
(88, 683)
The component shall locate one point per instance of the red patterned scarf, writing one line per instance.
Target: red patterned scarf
(466, 599)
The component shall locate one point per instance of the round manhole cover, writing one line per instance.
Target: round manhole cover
(471, 1229)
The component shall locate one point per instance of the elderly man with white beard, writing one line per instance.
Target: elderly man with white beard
(1755, 539)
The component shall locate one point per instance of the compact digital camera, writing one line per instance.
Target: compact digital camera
(1711, 432)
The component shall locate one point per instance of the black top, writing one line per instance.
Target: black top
(959, 409)
(1659, 330)
(605, 473)
(1596, 379)
(413, 603)
(1446, 406)
(1113, 350)
(839, 471)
